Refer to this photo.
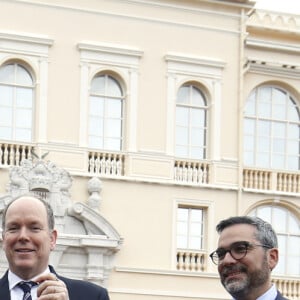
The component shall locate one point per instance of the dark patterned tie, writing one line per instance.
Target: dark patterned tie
(26, 287)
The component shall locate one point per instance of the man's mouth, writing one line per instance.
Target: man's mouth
(233, 274)
(24, 250)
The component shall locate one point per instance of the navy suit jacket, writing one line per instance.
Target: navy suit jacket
(78, 289)
(280, 297)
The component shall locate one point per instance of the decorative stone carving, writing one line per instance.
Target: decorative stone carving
(94, 188)
(86, 241)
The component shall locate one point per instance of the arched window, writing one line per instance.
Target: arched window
(16, 103)
(271, 129)
(105, 113)
(287, 227)
(191, 123)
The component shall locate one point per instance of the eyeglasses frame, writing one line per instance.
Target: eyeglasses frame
(248, 245)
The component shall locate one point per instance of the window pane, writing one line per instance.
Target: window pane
(250, 108)
(182, 116)
(279, 129)
(182, 214)
(6, 116)
(264, 128)
(97, 106)
(183, 95)
(197, 117)
(263, 144)
(95, 142)
(112, 144)
(197, 137)
(23, 77)
(197, 153)
(182, 135)
(280, 214)
(181, 242)
(24, 97)
(23, 134)
(249, 127)
(98, 85)
(263, 160)
(278, 145)
(113, 128)
(6, 96)
(5, 133)
(7, 74)
(278, 161)
(96, 126)
(195, 243)
(197, 98)
(293, 131)
(114, 109)
(196, 229)
(293, 111)
(196, 215)
(265, 213)
(113, 88)
(293, 225)
(182, 228)
(23, 118)
(181, 151)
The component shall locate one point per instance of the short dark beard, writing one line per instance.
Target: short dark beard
(240, 289)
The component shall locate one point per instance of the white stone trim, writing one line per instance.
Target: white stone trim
(34, 50)
(208, 72)
(120, 59)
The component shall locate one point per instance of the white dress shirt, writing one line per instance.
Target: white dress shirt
(270, 294)
(16, 293)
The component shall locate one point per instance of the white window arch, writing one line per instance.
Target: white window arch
(191, 123)
(105, 113)
(272, 129)
(287, 227)
(16, 103)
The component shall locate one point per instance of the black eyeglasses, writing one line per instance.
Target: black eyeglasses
(237, 250)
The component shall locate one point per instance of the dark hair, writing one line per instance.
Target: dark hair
(265, 234)
(49, 210)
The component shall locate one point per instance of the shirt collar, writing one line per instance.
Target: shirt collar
(14, 279)
(270, 294)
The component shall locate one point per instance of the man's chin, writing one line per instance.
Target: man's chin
(234, 285)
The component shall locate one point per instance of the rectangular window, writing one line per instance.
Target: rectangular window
(190, 223)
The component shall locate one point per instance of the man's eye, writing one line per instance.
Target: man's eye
(240, 249)
(221, 253)
(36, 229)
(12, 229)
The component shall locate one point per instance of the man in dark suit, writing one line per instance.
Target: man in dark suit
(246, 255)
(28, 238)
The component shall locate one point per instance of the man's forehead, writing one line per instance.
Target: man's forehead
(236, 233)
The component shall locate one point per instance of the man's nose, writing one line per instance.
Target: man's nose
(23, 233)
(228, 259)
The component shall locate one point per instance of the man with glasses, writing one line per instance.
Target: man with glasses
(246, 255)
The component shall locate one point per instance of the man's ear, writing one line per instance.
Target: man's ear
(53, 238)
(272, 258)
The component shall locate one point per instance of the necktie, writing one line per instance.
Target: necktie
(26, 287)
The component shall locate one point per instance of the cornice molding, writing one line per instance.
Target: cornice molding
(273, 21)
(268, 45)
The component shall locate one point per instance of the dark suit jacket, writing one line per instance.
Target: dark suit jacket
(78, 289)
(280, 297)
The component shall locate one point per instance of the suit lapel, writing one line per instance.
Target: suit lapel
(4, 289)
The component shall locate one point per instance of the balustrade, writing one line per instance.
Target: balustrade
(13, 154)
(191, 172)
(271, 180)
(191, 260)
(290, 288)
(106, 163)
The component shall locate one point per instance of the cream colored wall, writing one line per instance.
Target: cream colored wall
(141, 206)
